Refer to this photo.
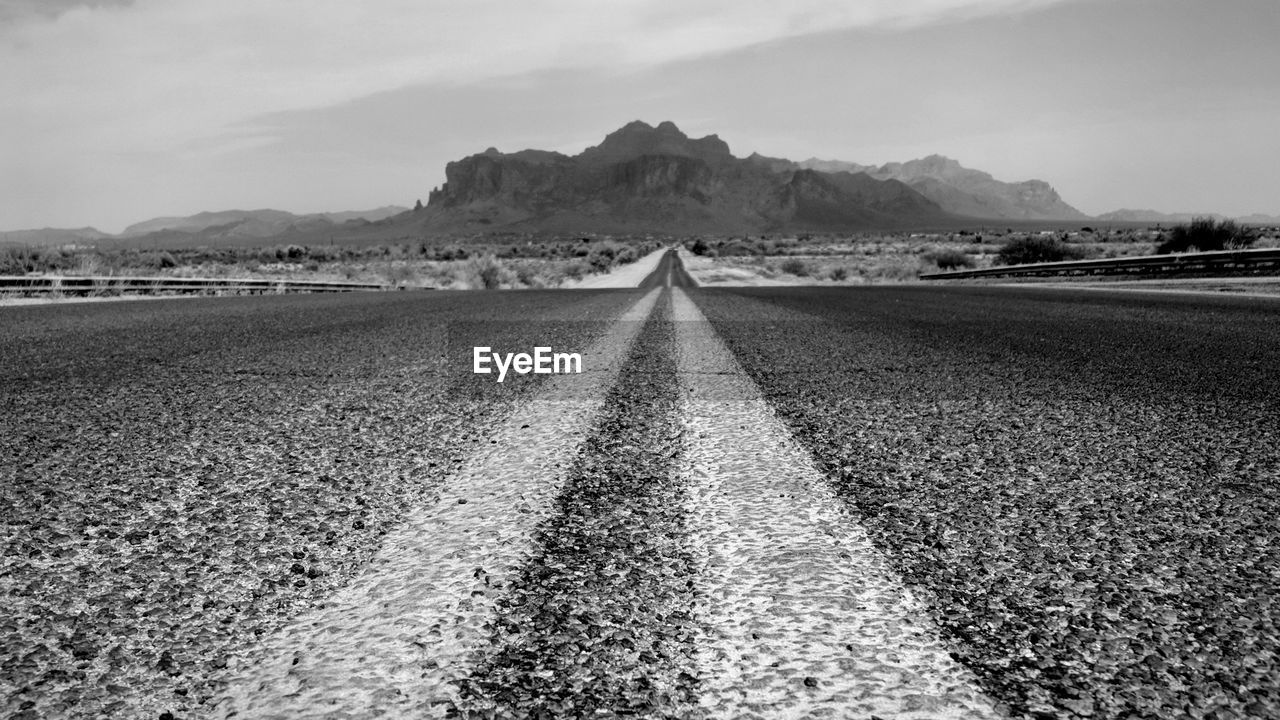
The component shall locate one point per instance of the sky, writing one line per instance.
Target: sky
(117, 111)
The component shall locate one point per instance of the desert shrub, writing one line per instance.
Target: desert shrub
(22, 260)
(699, 247)
(839, 274)
(158, 261)
(950, 259)
(1206, 234)
(528, 276)
(484, 271)
(575, 270)
(738, 248)
(291, 252)
(399, 274)
(601, 258)
(452, 252)
(626, 255)
(16, 261)
(323, 253)
(895, 268)
(490, 272)
(1037, 249)
(794, 266)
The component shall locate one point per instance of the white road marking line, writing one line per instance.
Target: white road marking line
(393, 639)
(805, 618)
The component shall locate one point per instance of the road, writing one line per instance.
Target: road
(670, 272)
(913, 502)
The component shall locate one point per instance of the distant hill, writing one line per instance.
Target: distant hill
(253, 223)
(1153, 216)
(1131, 215)
(657, 179)
(963, 191)
(52, 236)
(1260, 219)
(244, 227)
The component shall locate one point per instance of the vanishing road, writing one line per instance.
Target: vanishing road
(880, 502)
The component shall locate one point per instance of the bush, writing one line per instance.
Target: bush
(839, 274)
(575, 270)
(17, 261)
(528, 276)
(489, 270)
(950, 259)
(626, 255)
(399, 274)
(795, 266)
(158, 261)
(291, 253)
(893, 268)
(1036, 249)
(1205, 235)
(699, 247)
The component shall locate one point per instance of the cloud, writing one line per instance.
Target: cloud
(96, 84)
(165, 70)
(16, 11)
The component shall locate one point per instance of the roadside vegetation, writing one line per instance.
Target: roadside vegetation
(1037, 249)
(517, 263)
(1204, 234)
(898, 257)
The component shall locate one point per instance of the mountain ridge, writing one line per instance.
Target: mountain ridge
(656, 178)
(645, 177)
(965, 191)
(212, 226)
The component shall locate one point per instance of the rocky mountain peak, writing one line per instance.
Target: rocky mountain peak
(638, 138)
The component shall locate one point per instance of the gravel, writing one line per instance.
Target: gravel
(178, 479)
(1084, 487)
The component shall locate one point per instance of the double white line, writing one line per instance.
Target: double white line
(392, 640)
(802, 616)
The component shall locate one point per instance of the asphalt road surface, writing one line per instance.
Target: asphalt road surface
(895, 502)
(670, 272)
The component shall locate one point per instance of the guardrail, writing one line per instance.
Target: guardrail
(1228, 262)
(110, 285)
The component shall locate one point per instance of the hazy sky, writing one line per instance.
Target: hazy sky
(116, 111)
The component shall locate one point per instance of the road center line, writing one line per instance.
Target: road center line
(395, 638)
(804, 617)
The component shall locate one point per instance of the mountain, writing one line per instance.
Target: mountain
(1131, 215)
(253, 223)
(642, 178)
(52, 236)
(374, 215)
(1260, 219)
(963, 191)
